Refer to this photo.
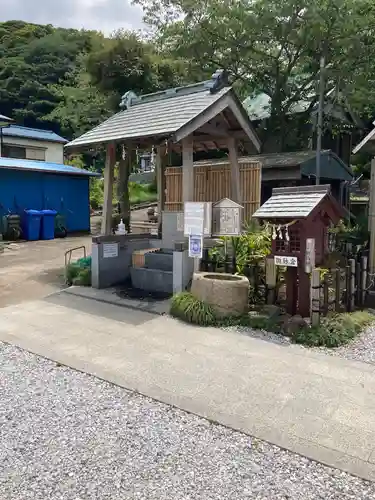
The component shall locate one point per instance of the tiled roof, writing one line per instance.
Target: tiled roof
(292, 202)
(32, 133)
(159, 114)
(270, 160)
(43, 166)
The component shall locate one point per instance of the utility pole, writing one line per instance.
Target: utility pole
(320, 118)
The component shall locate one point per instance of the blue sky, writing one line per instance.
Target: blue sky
(103, 15)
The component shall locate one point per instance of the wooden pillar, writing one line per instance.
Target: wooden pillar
(124, 170)
(234, 170)
(110, 161)
(371, 218)
(159, 179)
(303, 292)
(187, 169)
(291, 290)
(315, 295)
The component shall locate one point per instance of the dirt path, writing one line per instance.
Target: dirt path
(32, 270)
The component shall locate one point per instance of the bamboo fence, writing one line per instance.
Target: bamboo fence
(212, 182)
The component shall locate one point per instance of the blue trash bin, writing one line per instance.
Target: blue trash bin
(47, 231)
(31, 224)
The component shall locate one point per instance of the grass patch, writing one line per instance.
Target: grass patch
(186, 307)
(334, 330)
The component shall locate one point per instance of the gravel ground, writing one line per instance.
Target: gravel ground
(361, 348)
(69, 436)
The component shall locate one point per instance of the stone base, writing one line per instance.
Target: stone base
(226, 293)
(159, 260)
(152, 280)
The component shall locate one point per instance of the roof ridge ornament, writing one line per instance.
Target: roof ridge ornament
(218, 81)
(128, 99)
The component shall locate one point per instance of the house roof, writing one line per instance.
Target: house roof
(332, 167)
(368, 143)
(43, 166)
(258, 106)
(170, 114)
(292, 202)
(32, 133)
(6, 119)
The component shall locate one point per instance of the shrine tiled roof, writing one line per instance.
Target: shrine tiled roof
(292, 202)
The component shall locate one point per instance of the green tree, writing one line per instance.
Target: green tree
(32, 58)
(80, 105)
(126, 62)
(273, 46)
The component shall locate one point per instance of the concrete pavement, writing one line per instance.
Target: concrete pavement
(316, 405)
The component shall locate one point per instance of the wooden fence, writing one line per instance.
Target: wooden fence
(341, 289)
(212, 182)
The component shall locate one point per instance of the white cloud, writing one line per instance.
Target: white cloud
(101, 15)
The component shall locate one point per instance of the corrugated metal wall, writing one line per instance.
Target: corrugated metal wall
(69, 195)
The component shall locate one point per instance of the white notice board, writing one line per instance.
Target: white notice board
(193, 218)
(110, 250)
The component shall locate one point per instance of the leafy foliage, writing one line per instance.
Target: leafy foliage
(249, 248)
(334, 330)
(192, 310)
(79, 272)
(71, 80)
(274, 47)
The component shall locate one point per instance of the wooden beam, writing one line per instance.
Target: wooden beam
(226, 121)
(234, 170)
(110, 161)
(201, 119)
(217, 131)
(187, 169)
(237, 134)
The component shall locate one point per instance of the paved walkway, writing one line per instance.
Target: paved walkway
(320, 406)
(31, 270)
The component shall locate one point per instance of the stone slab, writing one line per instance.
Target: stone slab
(110, 296)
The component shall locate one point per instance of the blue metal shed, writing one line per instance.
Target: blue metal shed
(38, 185)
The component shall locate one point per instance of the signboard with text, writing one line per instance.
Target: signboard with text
(197, 218)
(226, 218)
(286, 261)
(110, 250)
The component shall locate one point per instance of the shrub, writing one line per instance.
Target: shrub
(188, 308)
(249, 248)
(192, 310)
(71, 272)
(79, 272)
(83, 278)
(334, 330)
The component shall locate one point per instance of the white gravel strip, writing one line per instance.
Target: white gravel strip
(362, 348)
(65, 435)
